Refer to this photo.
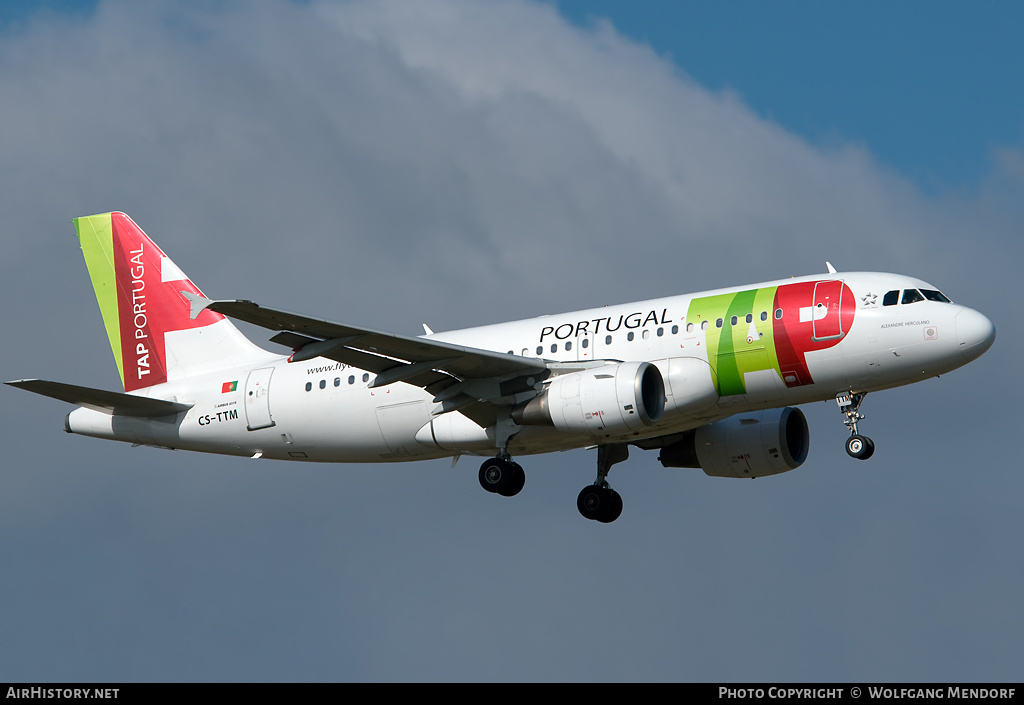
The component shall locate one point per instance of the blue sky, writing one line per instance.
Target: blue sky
(459, 163)
(930, 87)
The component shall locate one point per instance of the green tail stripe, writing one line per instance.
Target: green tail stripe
(96, 237)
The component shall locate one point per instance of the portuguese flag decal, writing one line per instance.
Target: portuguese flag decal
(228, 387)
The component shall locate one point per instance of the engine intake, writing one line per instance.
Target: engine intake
(628, 396)
(746, 445)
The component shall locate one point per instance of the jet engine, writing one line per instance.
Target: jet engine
(628, 396)
(746, 445)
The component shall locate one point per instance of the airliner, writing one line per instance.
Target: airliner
(710, 380)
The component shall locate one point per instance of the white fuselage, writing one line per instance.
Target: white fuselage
(322, 410)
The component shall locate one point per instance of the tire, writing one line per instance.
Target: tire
(495, 474)
(870, 449)
(612, 507)
(516, 480)
(590, 501)
(860, 447)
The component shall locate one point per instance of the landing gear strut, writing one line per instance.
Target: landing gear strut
(501, 475)
(599, 501)
(857, 446)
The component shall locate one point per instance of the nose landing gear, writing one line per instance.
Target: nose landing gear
(857, 446)
(860, 447)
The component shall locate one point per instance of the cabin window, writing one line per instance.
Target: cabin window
(778, 314)
(661, 332)
(911, 296)
(719, 323)
(732, 321)
(337, 381)
(607, 340)
(675, 329)
(891, 298)
(750, 318)
(764, 315)
(703, 325)
(646, 334)
(568, 345)
(309, 386)
(554, 347)
(366, 377)
(540, 350)
(323, 384)
(351, 379)
(629, 335)
(585, 343)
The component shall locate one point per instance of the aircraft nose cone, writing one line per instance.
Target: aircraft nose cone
(974, 332)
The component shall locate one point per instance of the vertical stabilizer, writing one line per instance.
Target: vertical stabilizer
(138, 288)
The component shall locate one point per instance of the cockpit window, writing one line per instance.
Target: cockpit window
(911, 296)
(933, 295)
(891, 298)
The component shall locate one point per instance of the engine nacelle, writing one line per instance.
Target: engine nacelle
(629, 396)
(746, 445)
(690, 383)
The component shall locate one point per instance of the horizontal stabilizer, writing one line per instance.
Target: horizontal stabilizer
(101, 400)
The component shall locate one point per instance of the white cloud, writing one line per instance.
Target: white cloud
(434, 148)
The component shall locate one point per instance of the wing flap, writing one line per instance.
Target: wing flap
(115, 403)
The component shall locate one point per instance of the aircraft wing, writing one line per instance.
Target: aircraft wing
(446, 370)
(101, 400)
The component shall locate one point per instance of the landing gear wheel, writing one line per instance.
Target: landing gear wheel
(612, 509)
(598, 503)
(860, 447)
(589, 501)
(502, 477)
(493, 472)
(516, 480)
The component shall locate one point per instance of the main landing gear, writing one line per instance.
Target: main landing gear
(502, 476)
(599, 501)
(857, 446)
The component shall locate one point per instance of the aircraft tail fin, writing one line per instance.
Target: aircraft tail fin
(139, 291)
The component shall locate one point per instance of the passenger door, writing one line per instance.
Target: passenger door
(827, 325)
(257, 399)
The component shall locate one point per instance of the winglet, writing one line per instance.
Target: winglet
(831, 269)
(197, 303)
